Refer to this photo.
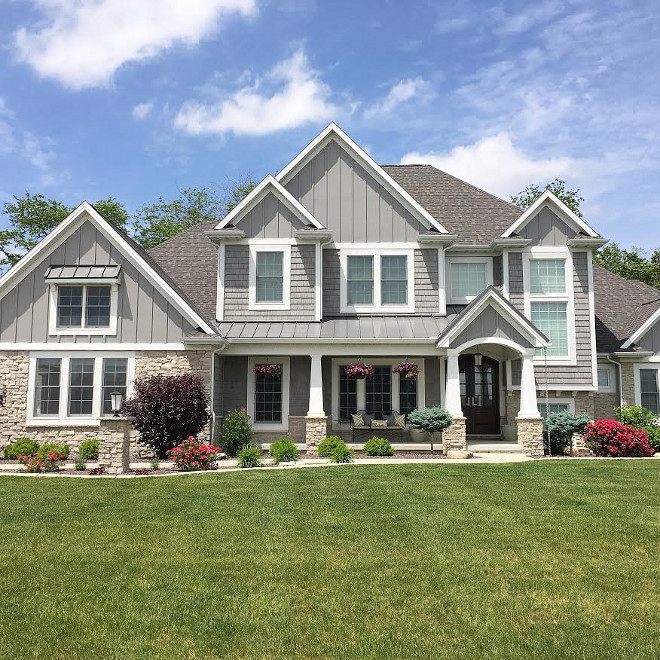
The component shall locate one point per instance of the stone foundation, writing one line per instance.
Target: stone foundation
(530, 435)
(316, 429)
(454, 438)
(114, 435)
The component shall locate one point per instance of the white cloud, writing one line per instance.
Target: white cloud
(142, 110)
(529, 17)
(299, 96)
(83, 43)
(495, 164)
(405, 90)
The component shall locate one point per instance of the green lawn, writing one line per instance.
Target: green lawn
(529, 560)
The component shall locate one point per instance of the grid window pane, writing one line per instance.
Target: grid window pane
(47, 387)
(347, 395)
(69, 306)
(551, 320)
(379, 391)
(547, 276)
(115, 372)
(270, 277)
(360, 280)
(603, 378)
(468, 280)
(267, 398)
(394, 280)
(648, 381)
(407, 394)
(554, 408)
(97, 311)
(81, 386)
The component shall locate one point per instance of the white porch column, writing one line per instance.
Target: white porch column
(315, 388)
(453, 387)
(528, 404)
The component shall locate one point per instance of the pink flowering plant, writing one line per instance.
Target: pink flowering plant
(273, 370)
(607, 437)
(42, 461)
(192, 455)
(358, 371)
(408, 370)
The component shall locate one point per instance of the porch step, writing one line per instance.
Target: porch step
(493, 446)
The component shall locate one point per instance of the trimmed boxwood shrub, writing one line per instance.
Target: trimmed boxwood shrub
(249, 457)
(236, 432)
(378, 447)
(342, 454)
(606, 437)
(284, 451)
(61, 449)
(328, 445)
(562, 426)
(89, 449)
(641, 418)
(21, 447)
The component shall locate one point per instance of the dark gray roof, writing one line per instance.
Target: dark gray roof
(477, 217)
(622, 306)
(82, 272)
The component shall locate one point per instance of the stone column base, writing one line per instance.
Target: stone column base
(316, 429)
(530, 435)
(454, 438)
(115, 438)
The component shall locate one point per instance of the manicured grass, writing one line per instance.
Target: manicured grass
(530, 560)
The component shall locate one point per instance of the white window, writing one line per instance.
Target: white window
(76, 387)
(555, 406)
(268, 396)
(648, 389)
(606, 381)
(381, 281)
(83, 309)
(467, 278)
(270, 276)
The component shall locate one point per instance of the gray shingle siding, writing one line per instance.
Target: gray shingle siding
(547, 228)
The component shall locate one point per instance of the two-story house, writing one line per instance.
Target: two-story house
(336, 260)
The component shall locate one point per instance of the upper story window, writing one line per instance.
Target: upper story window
(379, 282)
(468, 277)
(78, 309)
(270, 276)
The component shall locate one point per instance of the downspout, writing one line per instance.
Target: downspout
(619, 379)
(212, 389)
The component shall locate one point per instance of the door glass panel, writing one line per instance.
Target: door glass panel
(489, 398)
(477, 397)
(463, 379)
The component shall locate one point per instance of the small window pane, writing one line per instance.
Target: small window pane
(97, 312)
(468, 280)
(650, 398)
(360, 280)
(394, 280)
(554, 408)
(270, 277)
(603, 378)
(547, 276)
(69, 306)
(268, 398)
(347, 395)
(114, 380)
(81, 386)
(47, 387)
(551, 320)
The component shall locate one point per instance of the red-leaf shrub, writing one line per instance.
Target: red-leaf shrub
(41, 461)
(607, 437)
(193, 455)
(166, 409)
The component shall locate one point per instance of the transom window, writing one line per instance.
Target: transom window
(467, 278)
(270, 276)
(83, 309)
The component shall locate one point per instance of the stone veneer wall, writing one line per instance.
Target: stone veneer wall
(628, 382)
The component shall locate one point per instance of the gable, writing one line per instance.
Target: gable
(547, 228)
(490, 323)
(270, 218)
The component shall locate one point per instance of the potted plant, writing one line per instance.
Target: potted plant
(271, 370)
(408, 370)
(430, 421)
(358, 371)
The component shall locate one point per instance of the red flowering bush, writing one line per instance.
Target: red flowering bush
(43, 461)
(192, 455)
(607, 437)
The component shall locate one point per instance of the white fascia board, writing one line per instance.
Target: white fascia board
(332, 131)
(269, 184)
(642, 330)
(549, 198)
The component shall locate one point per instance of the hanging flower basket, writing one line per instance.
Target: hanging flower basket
(272, 370)
(358, 371)
(408, 370)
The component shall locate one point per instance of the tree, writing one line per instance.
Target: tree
(32, 217)
(633, 264)
(572, 198)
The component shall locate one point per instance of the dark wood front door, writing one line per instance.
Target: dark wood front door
(479, 394)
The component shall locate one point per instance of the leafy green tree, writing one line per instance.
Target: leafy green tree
(633, 264)
(572, 198)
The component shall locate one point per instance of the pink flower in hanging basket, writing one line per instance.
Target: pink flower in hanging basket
(358, 371)
(268, 369)
(409, 370)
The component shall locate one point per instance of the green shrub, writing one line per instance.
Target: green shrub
(236, 432)
(249, 457)
(378, 447)
(154, 465)
(62, 449)
(640, 418)
(562, 426)
(284, 451)
(21, 447)
(328, 445)
(89, 449)
(80, 464)
(430, 420)
(342, 455)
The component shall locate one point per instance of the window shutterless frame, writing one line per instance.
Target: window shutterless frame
(282, 425)
(89, 297)
(461, 296)
(284, 249)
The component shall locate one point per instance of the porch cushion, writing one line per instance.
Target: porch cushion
(367, 418)
(358, 420)
(399, 420)
(389, 419)
(379, 424)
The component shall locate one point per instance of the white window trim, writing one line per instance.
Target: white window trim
(52, 311)
(638, 384)
(376, 253)
(558, 401)
(266, 246)
(611, 387)
(568, 297)
(464, 300)
(63, 419)
(268, 426)
(361, 389)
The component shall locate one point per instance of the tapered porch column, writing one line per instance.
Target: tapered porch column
(530, 424)
(316, 422)
(454, 438)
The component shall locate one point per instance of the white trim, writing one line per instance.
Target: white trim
(442, 290)
(269, 184)
(82, 281)
(333, 132)
(62, 419)
(642, 330)
(270, 246)
(377, 253)
(109, 347)
(505, 274)
(592, 317)
(497, 341)
(286, 374)
(54, 330)
(611, 386)
(318, 281)
(451, 260)
(638, 386)
(547, 199)
(220, 284)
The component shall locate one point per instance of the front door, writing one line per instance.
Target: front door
(479, 394)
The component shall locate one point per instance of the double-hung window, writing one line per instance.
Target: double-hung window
(649, 389)
(83, 309)
(467, 277)
(270, 276)
(268, 394)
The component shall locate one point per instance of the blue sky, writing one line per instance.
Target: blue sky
(138, 100)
